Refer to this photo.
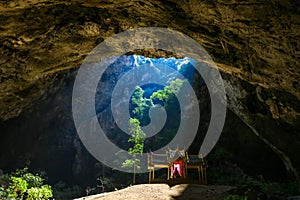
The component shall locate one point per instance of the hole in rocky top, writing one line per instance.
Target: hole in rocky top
(142, 96)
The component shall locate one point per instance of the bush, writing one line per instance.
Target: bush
(33, 180)
(17, 184)
(18, 187)
(43, 192)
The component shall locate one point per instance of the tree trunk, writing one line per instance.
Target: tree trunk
(133, 182)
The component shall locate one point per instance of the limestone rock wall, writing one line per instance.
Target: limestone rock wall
(254, 43)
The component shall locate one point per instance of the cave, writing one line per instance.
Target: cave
(254, 46)
(51, 143)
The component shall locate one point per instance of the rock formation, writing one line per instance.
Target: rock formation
(254, 43)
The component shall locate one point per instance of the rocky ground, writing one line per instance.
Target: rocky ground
(164, 192)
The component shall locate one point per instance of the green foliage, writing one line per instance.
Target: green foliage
(140, 104)
(14, 186)
(33, 180)
(4, 180)
(236, 197)
(169, 92)
(128, 163)
(18, 186)
(137, 138)
(44, 192)
(2, 192)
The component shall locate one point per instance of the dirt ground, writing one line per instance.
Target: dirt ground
(164, 192)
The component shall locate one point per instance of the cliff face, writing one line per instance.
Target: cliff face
(42, 43)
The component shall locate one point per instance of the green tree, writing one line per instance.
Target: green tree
(140, 104)
(138, 139)
(168, 93)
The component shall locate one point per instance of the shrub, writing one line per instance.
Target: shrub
(18, 187)
(14, 186)
(44, 192)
